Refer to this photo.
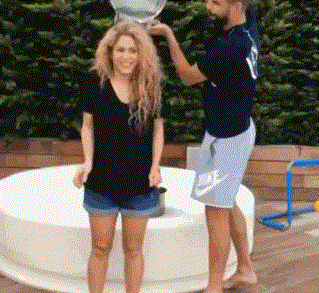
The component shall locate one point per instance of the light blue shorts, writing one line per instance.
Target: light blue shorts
(140, 205)
(221, 166)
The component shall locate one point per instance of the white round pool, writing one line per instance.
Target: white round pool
(45, 237)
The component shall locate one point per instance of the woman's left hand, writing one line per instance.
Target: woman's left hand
(155, 177)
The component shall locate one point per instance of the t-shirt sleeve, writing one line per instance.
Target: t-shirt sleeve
(219, 62)
(87, 92)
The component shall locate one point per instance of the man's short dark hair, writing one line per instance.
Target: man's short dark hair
(245, 3)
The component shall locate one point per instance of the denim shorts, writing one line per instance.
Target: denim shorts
(140, 205)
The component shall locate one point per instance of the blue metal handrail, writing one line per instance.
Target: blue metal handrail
(266, 220)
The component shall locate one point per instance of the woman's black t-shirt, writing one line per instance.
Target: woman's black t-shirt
(122, 157)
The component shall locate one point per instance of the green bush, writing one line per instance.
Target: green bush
(44, 48)
(46, 45)
(287, 104)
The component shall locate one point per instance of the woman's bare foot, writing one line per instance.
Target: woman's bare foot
(244, 279)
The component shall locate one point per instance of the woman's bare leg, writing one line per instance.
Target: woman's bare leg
(133, 239)
(102, 233)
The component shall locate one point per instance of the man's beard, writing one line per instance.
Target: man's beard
(220, 22)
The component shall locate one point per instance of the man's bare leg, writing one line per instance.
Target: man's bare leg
(245, 273)
(219, 245)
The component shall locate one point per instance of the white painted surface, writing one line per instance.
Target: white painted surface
(192, 155)
(45, 237)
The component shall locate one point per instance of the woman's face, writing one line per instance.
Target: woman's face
(125, 55)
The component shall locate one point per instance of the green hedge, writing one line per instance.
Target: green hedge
(287, 104)
(46, 45)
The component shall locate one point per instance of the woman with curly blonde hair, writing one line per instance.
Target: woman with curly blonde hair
(145, 95)
(122, 137)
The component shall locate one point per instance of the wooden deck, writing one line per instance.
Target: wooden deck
(286, 262)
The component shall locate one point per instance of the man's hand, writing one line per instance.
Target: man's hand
(156, 28)
(189, 74)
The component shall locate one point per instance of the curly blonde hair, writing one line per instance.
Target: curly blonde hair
(145, 98)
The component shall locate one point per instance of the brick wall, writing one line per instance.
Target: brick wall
(265, 174)
(25, 154)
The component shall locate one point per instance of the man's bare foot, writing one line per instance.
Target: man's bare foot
(213, 289)
(240, 279)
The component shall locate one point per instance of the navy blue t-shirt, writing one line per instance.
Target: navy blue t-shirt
(231, 67)
(122, 157)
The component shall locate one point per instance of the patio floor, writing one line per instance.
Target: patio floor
(286, 262)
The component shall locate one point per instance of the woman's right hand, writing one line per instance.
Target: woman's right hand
(81, 175)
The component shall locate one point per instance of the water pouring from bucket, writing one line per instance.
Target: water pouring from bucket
(141, 11)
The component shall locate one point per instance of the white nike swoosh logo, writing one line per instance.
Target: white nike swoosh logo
(201, 191)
